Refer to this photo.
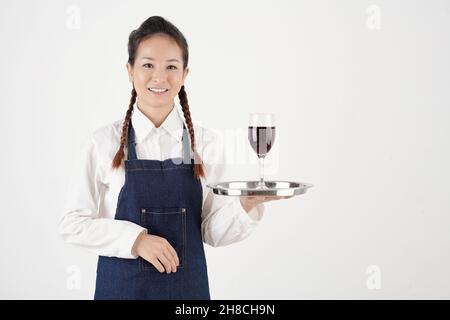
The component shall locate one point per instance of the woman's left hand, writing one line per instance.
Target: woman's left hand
(249, 203)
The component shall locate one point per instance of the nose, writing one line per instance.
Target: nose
(159, 74)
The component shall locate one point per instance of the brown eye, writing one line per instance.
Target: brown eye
(173, 67)
(147, 64)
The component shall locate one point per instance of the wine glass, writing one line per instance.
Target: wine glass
(261, 135)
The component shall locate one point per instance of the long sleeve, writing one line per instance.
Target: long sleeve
(81, 223)
(224, 220)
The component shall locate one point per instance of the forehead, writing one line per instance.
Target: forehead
(159, 47)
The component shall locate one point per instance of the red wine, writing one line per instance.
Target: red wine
(261, 139)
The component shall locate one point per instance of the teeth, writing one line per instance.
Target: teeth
(157, 90)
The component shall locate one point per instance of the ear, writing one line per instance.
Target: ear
(185, 73)
(130, 72)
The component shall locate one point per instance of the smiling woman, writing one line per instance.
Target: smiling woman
(138, 197)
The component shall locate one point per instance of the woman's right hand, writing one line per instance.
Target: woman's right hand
(157, 251)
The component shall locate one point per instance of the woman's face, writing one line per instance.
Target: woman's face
(158, 64)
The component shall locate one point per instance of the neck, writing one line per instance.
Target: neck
(156, 115)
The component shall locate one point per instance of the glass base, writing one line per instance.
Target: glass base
(261, 186)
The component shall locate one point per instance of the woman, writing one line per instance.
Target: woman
(145, 216)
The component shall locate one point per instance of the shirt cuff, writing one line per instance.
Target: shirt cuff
(129, 239)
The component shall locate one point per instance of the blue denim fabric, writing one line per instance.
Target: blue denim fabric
(165, 198)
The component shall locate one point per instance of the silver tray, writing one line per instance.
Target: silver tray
(248, 188)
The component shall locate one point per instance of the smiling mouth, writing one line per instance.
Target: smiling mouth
(157, 91)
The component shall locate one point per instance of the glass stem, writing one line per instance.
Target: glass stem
(261, 171)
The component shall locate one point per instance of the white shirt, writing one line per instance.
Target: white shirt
(88, 218)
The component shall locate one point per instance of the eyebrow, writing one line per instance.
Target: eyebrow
(149, 58)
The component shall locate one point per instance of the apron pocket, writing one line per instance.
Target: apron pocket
(170, 224)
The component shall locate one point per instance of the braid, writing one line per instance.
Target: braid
(199, 170)
(120, 155)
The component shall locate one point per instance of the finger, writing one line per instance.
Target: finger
(269, 198)
(279, 197)
(174, 254)
(258, 198)
(171, 260)
(156, 264)
(165, 262)
(168, 246)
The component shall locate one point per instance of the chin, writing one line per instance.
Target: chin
(158, 103)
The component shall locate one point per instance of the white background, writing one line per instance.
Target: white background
(361, 94)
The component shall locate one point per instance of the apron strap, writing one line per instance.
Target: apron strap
(186, 147)
(131, 143)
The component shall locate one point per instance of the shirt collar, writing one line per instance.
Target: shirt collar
(143, 126)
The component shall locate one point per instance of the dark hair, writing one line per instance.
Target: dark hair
(149, 27)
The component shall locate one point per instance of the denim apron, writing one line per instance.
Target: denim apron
(165, 198)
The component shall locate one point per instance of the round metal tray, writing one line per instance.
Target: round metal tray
(248, 188)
